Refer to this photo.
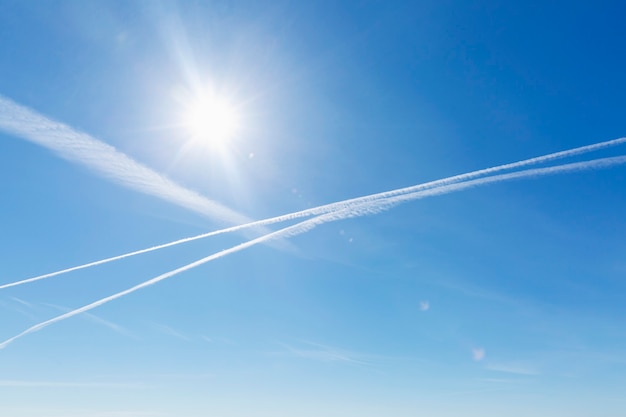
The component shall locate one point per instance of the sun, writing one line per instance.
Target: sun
(212, 120)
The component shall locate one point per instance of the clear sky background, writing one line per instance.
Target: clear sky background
(507, 299)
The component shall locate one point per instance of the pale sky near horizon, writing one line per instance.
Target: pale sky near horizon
(504, 299)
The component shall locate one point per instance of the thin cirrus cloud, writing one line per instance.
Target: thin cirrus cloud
(366, 208)
(323, 353)
(22, 302)
(105, 160)
(19, 306)
(17, 383)
(517, 368)
(96, 319)
(407, 192)
(170, 331)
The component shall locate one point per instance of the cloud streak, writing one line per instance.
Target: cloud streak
(17, 383)
(322, 353)
(518, 368)
(370, 207)
(105, 160)
(96, 319)
(350, 203)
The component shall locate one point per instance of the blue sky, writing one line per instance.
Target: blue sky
(500, 299)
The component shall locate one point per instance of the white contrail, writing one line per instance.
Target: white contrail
(282, 233)
(105, 160)
(379, 205)
(359, 210)
(339, 205)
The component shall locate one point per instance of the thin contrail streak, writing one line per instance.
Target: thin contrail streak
(379, 205)
(302, 227)
(338, 205)
(105, 160)
(286, 232)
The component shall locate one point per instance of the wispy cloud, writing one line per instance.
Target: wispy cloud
(366, 208)
(22, 302)
(219, 340)
(501, 381)
(375, 203)
(105, 160)
(18, 383)
(169, 331)
(166, 378)
(20, 306)
(517, 368)
(323, 353)
(125, 413)
(77, 412)
(95, 319)
(424, 306)
(475, 292)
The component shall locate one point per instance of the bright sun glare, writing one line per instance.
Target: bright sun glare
(212, 121)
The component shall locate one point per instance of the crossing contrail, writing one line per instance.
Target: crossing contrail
(336, 206)
(282, 233)
(365, 208)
